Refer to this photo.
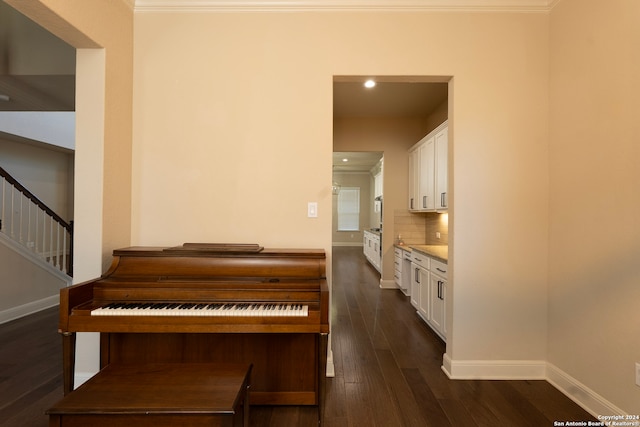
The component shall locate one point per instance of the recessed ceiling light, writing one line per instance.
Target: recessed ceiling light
(369, 84)
(345, 160)
(4, 97)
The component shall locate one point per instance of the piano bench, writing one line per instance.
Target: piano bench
(158, 395)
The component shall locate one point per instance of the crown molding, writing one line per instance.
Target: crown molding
(342, 5)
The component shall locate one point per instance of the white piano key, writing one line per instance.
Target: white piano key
(202, 310)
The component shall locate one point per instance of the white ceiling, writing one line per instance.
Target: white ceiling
(389, 98)
(357, 161)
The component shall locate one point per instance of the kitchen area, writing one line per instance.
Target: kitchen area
(421, 258)
(404, 197)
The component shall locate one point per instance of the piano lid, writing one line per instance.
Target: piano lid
(213, 248)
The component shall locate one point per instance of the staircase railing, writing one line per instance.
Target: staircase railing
(29, 222)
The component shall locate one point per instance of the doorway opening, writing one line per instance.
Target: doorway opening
(357, 195)
(387, 118)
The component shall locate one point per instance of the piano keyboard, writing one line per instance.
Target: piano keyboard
(203, 309)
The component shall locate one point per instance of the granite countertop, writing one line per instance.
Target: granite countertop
(440, 252)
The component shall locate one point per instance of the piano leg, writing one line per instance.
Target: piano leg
(68, 360)
(322, 374)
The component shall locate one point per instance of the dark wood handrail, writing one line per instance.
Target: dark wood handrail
(35, 200)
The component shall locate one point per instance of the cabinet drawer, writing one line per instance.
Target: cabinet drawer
(406, 255)
(439, 268)
(420, 260)
(397, 263)
(398, 252)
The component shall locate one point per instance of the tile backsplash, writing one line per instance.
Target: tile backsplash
(421, 228)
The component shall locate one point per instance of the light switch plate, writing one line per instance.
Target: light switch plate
(312, 209)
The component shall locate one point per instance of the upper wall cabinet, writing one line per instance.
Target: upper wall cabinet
(378, 173)
(428, 190)
(441, 169)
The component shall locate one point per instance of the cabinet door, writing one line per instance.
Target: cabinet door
(367, 245)
(427, 176)
(424, 307)
(414, 169)
(377, 184)
(441, 167)
(406, 276)
(438, 287)
(376, 252)
(397, 268)
(415, 285)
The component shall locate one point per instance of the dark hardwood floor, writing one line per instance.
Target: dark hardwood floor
(387, 370)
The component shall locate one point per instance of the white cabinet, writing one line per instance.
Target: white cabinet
(378, 178)
(429, 291)
(402, 270)
(441, 168)
(438, 293)
(414, 178)
(420, 283)
(371, 248)
(377, 185)
(427, 189)
(428, 161)
(397, 267)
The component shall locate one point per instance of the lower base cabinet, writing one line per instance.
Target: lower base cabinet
(429, 291)
(372, 249)
(402, 270)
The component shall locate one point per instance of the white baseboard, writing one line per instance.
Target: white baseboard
(588, 399)
(331, 368)
(388, 284)
(81, 377)
(28, 308)
(494, 369)
(582, 395)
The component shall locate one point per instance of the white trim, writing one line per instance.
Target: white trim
(14, 313)
(81, 378)
(342, 5)
(35, 259)
(330, 371)
(582, 395)
(388, 284)
(494, 369)
(354, 244)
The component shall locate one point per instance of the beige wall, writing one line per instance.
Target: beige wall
(233, 136)
(594, 233)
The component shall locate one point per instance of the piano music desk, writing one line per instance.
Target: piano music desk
(158, 395)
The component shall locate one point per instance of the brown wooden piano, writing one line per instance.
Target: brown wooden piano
(209, 303)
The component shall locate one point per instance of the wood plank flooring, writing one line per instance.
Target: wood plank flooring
(387, 370)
